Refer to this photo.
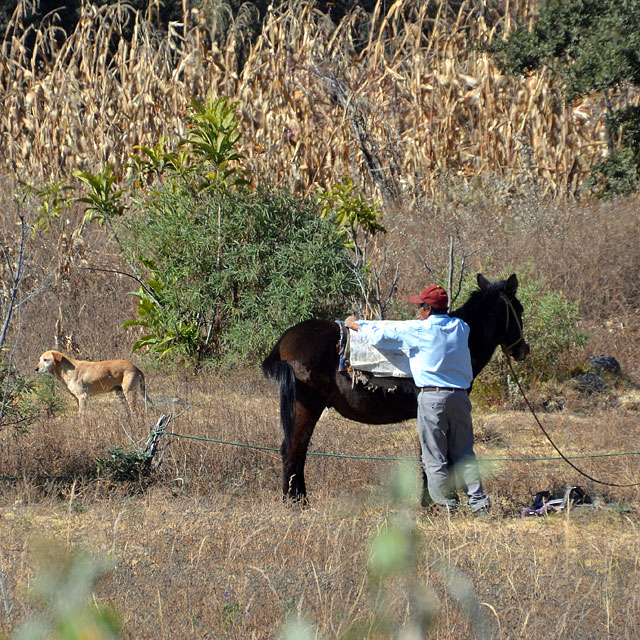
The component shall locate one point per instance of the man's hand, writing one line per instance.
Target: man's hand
(352, 323)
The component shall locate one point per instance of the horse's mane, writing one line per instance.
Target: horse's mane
(474, 305)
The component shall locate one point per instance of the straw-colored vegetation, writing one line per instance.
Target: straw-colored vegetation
(404, 104)
(208, 549)
(204, 547)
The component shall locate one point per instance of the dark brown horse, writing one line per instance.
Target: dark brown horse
(305, 363)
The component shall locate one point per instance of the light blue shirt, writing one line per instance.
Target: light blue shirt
(438, 348)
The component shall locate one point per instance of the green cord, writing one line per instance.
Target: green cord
(386, 458)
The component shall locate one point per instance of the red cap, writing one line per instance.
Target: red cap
(433, 295)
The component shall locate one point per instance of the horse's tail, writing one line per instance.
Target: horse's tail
(282, 372)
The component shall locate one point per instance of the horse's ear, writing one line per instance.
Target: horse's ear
(483, 283)
(512, 285)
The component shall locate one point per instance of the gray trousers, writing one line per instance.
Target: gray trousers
(445, 429)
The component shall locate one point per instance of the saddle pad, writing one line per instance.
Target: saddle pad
(387, 364)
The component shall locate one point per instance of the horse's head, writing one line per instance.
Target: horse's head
(511, 336)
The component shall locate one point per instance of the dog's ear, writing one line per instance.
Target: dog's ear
(57, 356)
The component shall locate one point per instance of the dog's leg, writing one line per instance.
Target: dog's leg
(82, 404)
(143, 391)
(132, 385)
(124, 398)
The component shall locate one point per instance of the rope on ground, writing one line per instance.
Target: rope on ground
(354, 457)
(391, 458)
(567, 459)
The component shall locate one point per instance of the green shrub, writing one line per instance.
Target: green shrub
(24, 400)
(551, 329)
(357, 221)
(229, 267)
(124, 464)
(591, 46)
(231, 270)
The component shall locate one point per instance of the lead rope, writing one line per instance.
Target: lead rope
(553, 444)
(507, 350)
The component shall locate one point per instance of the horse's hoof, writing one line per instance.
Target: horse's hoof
(297, 500)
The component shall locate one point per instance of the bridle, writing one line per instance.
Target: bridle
(507, 349)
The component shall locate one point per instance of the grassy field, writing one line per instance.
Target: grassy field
(207, 549)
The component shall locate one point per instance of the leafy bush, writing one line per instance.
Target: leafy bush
(124, 464)
(231, 270)
(592, 47)
(23, 400)
(357, 220)
(618, 174)
(229, 267)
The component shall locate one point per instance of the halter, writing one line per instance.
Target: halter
(506, 349)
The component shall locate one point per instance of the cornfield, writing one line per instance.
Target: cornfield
(410, 103)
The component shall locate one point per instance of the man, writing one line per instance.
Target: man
(440, 363)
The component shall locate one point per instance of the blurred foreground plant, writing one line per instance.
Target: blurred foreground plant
(395, 557)
(62, 588)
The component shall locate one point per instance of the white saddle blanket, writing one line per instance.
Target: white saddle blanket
(387, 364)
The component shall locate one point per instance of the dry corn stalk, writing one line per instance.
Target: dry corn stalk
(409, 104)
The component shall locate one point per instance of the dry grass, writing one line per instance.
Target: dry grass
(411, 104)
(208, 549)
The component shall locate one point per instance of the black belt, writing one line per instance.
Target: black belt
(439, 388)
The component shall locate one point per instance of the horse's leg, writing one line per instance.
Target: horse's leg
(309, 407)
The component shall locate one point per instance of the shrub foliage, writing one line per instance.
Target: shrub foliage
(230, 267)
(592, 47)
(550, 325)
(231, 270)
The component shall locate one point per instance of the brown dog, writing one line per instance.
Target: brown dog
(83, 378)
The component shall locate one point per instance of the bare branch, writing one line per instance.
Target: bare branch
(357, 112)
(139, 280)
(17, 277)
(425, 264)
